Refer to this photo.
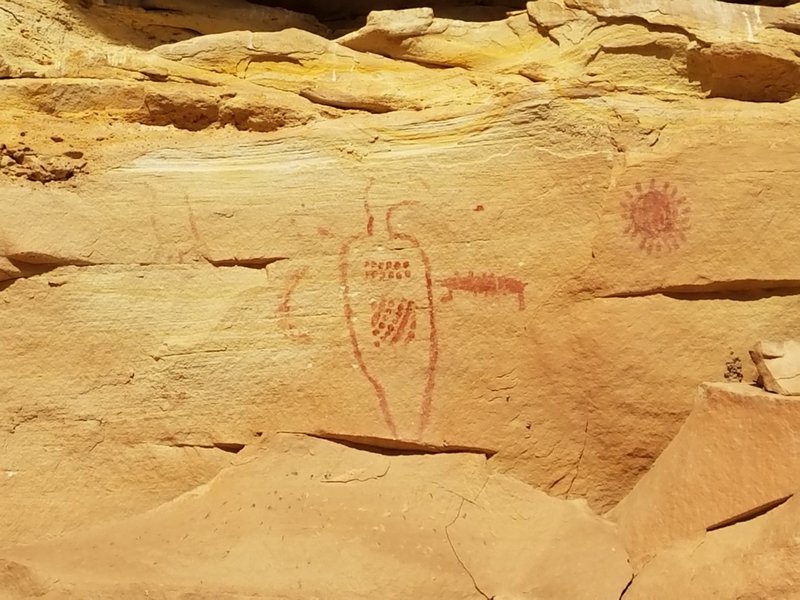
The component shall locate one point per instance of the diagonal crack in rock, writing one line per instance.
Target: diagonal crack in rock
(452, 546)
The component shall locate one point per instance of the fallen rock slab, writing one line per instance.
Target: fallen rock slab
(308, 518)
(778, 365)
(736, 452)
(754, 559)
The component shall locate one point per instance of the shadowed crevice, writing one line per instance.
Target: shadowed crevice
(748, 515)
(392, 447)
(740, 290)
(255, 262)
(230, 447)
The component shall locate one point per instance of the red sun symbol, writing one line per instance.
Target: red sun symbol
(656, 217)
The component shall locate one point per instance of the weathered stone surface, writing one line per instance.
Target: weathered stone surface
(216, 351)
(86, 29)
(183, 18)
(307, 518)
(558, 181)
(325, 72)
(18, 582)
(737, 450)
(778, 366)
(754, 559)
(520, 543)
(699, 48)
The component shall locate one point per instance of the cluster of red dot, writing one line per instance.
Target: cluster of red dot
(383, 270)
(394, 322)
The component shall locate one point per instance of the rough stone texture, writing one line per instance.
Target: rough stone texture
(195, 231)
(778, 366)
(755, 559)
(307, 518)
(519, 543)
(737, 451)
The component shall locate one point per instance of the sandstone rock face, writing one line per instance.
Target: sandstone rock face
(519, 543)
(18, 582)
(307, 518)
(737, 451)
(531, 236)
(756, 559)
(778, 366)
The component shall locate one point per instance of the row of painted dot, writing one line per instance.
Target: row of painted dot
(384, 275)
(390, 327)
(398, 312)
(382, 336)
(409, 338)
(390, 303)
(386, 265)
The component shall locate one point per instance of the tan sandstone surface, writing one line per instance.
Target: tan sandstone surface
(755, 559)
(738, 450)
(715, 516)
(526, 233)
(778, 366)
(307, 518)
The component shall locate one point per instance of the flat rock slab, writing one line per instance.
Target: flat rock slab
(737, 451)
(778, 365)
(756, 559)
(494, 537)
(308, 518)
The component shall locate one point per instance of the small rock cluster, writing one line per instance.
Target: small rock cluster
(733, 369)
(22, 161)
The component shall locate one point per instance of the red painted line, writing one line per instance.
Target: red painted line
(348, 313)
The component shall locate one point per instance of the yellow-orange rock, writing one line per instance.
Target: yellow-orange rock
(737, 451)
(519, 543)
(778, 366)
(753, 559)
(192, 230)
(307, 518)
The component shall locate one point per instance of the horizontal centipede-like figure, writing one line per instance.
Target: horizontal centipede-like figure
(487, 284)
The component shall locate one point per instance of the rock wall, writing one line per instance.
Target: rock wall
(305, 518)
(302, 517)
(529, 237)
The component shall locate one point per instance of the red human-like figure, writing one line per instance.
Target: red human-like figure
(388, 306)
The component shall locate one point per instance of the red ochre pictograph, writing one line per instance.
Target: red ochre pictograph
(388, 306)
(393, 321)
(487, 284)
(390, 269)
(290, 330)
(657, 217)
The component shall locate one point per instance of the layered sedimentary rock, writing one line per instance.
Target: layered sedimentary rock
(306, 518)
(531, 236)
